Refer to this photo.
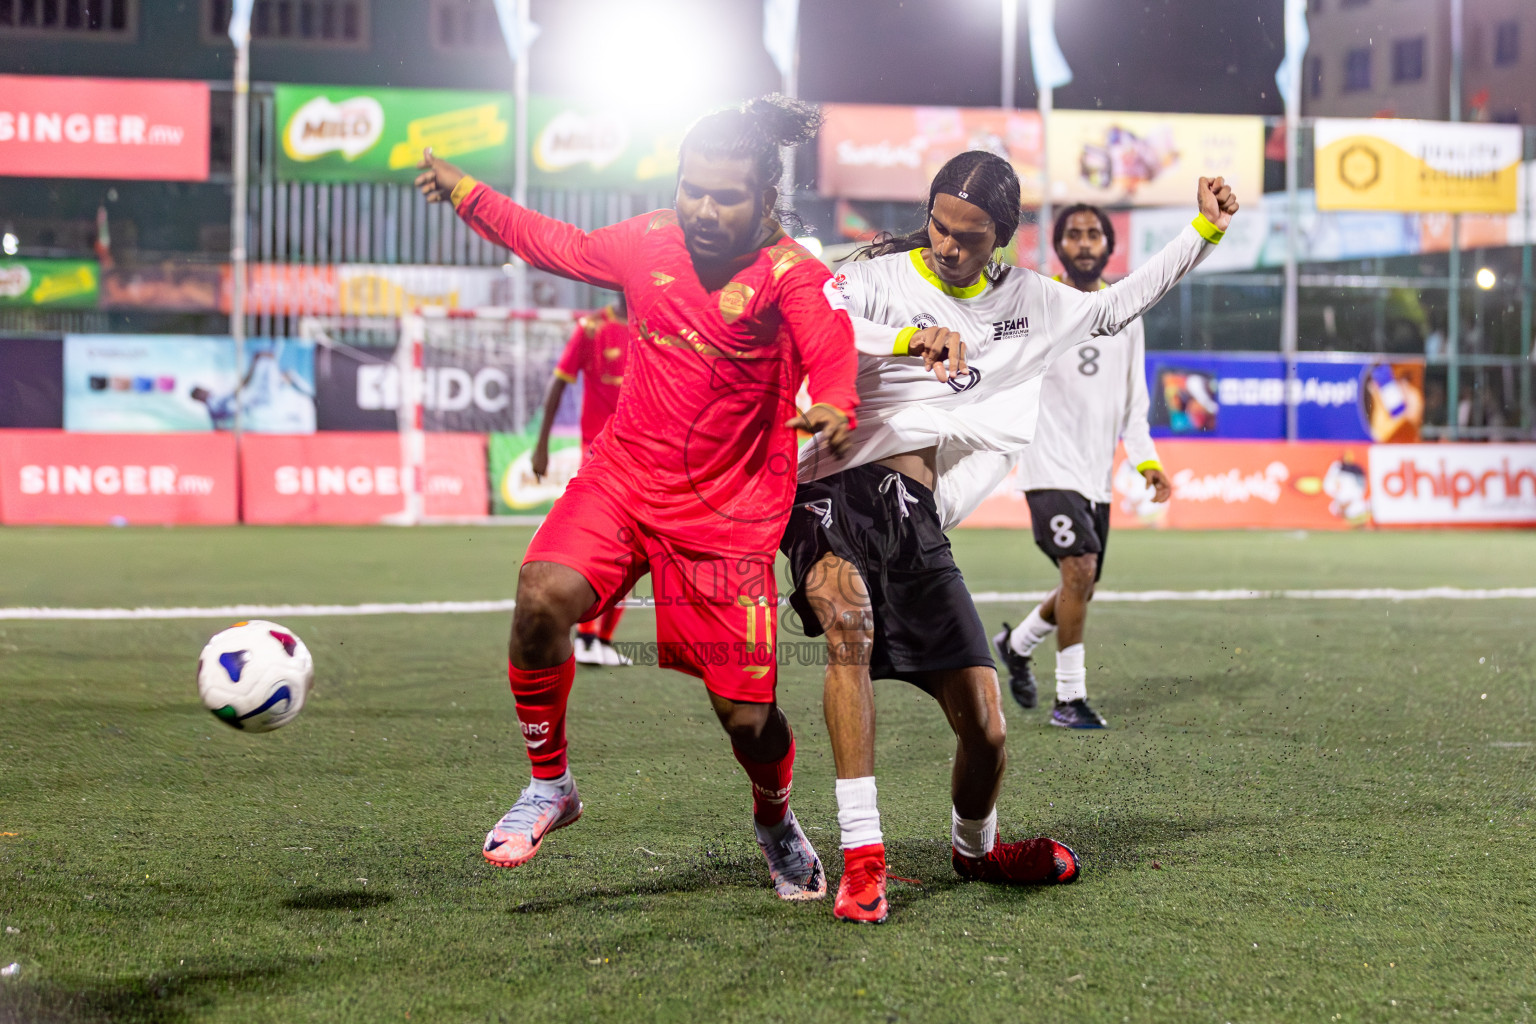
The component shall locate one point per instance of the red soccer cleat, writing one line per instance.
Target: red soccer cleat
(1039, 861)
(861, 893)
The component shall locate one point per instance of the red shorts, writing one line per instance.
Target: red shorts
(716, 614)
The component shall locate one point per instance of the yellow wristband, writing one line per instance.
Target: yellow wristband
(1149, 464)
(465, 186)
(1208, 231)
(903, 339)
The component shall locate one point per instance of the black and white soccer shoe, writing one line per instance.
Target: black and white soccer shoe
(1076, 714)
(1021, 674)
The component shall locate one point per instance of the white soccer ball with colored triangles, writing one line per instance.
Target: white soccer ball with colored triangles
(255, 675)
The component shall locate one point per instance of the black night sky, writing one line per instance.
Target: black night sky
(1196, 56)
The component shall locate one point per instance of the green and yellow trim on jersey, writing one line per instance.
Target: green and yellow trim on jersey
(1208, 231)
(953, 291)
(562, 375)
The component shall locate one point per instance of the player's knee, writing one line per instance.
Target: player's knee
(1077, 575)
(744, 723)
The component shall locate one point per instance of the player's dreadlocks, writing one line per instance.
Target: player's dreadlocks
(980, 178)
(755, 131)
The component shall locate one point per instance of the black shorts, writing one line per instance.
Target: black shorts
(887, 526)
(1067, 524)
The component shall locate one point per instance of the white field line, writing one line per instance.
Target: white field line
(302, 611)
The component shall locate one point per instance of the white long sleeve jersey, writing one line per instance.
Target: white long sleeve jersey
(1012, 330)
(1091, 397)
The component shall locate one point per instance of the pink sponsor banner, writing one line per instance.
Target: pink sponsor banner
(876, 151)
(1453, 484)
(118, 128)
(1225, 485)
(346, 477)
(53, 477)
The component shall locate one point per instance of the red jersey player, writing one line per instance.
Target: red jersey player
(596, 352)
(692, 478)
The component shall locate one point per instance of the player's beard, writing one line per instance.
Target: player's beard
(1081, 277)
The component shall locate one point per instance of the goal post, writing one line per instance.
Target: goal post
(447, 371)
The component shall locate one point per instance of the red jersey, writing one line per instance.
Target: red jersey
(711, 378)
(596, 351)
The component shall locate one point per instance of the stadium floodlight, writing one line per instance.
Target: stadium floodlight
(812, 245)
(656, 56)
(11, 243)
(1486, 279)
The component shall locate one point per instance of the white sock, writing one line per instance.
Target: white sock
(1026, 636)
(974, 837)
(858, 813)
(1071, 676)
(553, 787)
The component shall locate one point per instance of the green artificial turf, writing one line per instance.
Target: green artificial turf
(1304, 811)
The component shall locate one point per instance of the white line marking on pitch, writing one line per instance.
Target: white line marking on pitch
(306, 611)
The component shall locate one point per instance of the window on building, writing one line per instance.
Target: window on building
(100, 19)
(466, 25)
(322, 22)
(1506, 43)
(1314, 77)
(1357, 70)
(1407, 60)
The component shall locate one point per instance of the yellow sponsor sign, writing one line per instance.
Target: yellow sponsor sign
(1113, 158)
(450, 134)
(1416, 166)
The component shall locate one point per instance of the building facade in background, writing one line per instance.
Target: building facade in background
(1392, 58)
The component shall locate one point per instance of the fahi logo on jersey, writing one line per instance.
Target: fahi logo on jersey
(1010, 328)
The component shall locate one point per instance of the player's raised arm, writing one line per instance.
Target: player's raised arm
(595, 257)
(1072, 315)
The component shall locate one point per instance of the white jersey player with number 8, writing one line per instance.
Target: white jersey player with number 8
(1091, 399)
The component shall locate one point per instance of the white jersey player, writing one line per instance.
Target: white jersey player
(1090, 399)
(870, 564)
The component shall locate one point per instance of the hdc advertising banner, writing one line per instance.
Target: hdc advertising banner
(131, 383)
(1225, 485)
(1416, 166)
(49, 476)
(348, 133)
(1454, 484)
(119, 128)
(1236, 396)
(875, 151)
(1114, 158)
(357, 478)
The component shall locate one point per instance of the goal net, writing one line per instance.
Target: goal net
(435, 374)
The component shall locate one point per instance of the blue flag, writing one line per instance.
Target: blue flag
(1288, 78)
(1050, 66)
(518, 33)
(781, 29)
(240, 21)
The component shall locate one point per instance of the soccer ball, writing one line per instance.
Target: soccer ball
(255, 675)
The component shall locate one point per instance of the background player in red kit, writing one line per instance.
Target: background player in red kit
(596, 353)
(693, 477)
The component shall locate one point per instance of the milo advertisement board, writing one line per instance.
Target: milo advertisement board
(575, 146)
(514, 488)
(59, 284)
(347, 133)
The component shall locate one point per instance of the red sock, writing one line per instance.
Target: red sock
(541, 695)
(770, 784)
(609, 622)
